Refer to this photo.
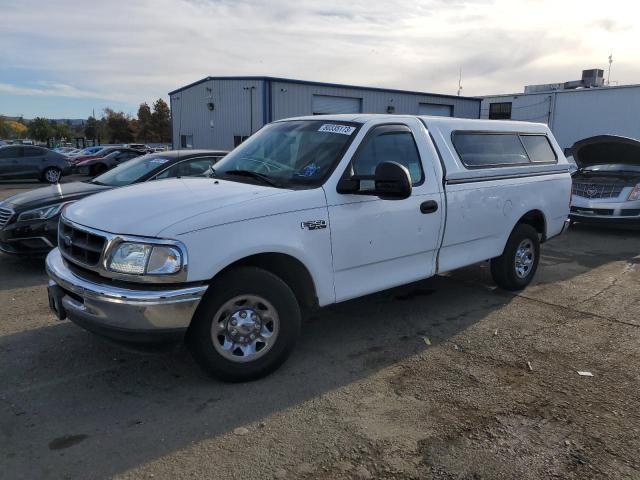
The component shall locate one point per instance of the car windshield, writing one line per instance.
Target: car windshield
(131, 171)
(296, 152)
(613, 167)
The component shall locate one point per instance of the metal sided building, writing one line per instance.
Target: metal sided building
(572, 114)
(220, 112)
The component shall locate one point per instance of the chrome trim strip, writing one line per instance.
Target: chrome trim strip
(63, 276)
(113, 240)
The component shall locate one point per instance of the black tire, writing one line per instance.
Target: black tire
(49, 174)
(503, 268)
(238, 282)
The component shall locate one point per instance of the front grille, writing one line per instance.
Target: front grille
(80, 245)
(592, 211)
(595, 190)
(5, 216)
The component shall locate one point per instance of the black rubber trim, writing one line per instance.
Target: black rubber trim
(458, 181)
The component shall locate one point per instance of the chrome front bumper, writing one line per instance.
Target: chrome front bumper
(127, 314)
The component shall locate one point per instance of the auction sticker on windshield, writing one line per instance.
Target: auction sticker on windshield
(332, 128)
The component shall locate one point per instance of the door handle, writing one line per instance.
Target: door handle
(429, 206)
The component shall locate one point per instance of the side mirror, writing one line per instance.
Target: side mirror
(392, 181)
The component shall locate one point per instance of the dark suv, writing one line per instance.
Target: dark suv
(26, 161)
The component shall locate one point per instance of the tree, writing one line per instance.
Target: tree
(61, 131)
(161, 120)
(145, 123)
(12, 129)
(91, 128)
(118, 126)
(40, 129)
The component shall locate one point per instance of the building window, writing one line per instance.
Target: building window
(186, 141)
(238, 139)
(500, 111)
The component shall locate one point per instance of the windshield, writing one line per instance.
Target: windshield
(131, 171)
(613, 167)
(297, 152)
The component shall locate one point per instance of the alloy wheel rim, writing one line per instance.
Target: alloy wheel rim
(52, 176)
(525, 258)
(245, 328)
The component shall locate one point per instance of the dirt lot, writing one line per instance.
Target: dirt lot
(447, 378)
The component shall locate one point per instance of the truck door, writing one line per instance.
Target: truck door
(378, 244)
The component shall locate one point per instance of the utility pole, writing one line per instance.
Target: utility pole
(609, 72)
(460, 82)
(251, 89)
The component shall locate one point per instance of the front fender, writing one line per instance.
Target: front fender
(213, 249)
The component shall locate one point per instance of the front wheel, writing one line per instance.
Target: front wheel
(51, 175)
(515, 268)
(246, 325)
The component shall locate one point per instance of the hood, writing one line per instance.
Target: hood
(53, 194)
(606, 149)
(148, 208)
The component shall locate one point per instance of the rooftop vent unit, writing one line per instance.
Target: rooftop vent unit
(590, 79)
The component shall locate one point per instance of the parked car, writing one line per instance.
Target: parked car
(88, 151)
(103, 151)
(29, 220)
(606, 186)
(96, 166)
(305, 213)
(66, 151)
(18, 162)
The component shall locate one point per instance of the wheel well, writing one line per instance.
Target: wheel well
(536, 219)
(291, 270)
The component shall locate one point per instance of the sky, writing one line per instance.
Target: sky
(68, 58)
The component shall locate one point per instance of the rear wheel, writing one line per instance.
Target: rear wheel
(246, 326)
(515, 268)
(51, 175)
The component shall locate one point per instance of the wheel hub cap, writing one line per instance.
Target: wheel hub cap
(525, 258)
(245, 328)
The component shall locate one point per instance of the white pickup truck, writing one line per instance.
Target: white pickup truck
(306, 213)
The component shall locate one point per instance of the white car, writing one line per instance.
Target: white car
(306, 213)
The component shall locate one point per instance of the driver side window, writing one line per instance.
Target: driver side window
(389, 143)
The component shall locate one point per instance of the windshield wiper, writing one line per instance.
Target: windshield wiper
(248, 173)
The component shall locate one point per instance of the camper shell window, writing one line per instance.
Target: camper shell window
(502, 149)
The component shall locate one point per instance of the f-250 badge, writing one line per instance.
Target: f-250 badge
(313, 224)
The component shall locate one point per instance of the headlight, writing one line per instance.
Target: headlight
(141, 258)
(634, 194)
(43, 213)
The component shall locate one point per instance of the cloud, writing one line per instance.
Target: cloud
(130, 52)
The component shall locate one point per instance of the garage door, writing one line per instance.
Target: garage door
(435, 109)
(325, 104)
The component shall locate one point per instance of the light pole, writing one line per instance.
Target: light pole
(251, 89)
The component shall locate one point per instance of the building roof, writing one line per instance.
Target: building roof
(564, 90)
(321, 84)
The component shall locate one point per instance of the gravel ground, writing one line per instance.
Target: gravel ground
(449, 378)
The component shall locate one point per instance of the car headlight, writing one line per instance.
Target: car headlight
(634, 194)
(145, 259)
(43, 213)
